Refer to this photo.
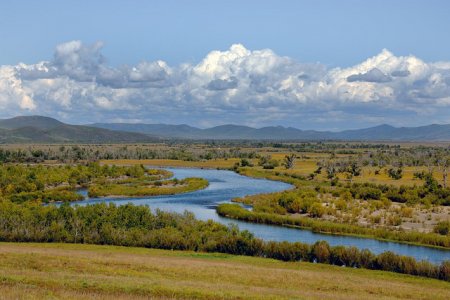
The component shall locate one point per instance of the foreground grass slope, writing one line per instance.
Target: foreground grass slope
(70, 271)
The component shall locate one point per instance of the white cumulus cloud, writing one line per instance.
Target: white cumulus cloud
(237, 85)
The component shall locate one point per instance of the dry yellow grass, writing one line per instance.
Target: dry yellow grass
(67, 271)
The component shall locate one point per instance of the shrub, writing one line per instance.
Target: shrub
(442, 227)
(345, 256)
(369, 193)
(271, 164)
(316, 210)
(246, 163)
(394, 220)
(321, 252)
(444, 270)
(367, 259)
(388, 261)
(395, 173)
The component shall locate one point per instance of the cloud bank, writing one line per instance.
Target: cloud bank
(233, 86)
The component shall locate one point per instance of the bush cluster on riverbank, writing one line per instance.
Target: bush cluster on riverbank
(16, 178)
(375, 210)
(46, 184)
(236, 211)
(131, 225)
(147, 188)
(54, 195)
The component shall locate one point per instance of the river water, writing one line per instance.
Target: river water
(225, 185)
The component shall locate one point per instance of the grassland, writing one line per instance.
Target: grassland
(212, 164)
(71, 271)
(304, 166)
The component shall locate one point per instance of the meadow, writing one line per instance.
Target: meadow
(75, 271)
(383, 191)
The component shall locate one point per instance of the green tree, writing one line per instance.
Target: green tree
(289, 161)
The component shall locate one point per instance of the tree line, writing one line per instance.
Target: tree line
(91, 153)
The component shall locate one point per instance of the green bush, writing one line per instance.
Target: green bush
(442, 227)
(321, 252)
(316, 210)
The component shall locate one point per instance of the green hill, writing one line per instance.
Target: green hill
(37, 129)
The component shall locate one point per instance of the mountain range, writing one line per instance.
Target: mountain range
(39, 129)
(378, 133)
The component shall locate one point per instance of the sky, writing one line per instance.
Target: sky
(318, 64)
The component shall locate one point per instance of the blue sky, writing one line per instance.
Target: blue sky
(337, 33)
(151, 61)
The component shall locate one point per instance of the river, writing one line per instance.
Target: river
(225, 185)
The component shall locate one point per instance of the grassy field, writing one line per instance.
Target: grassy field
(303, 166)
(70, 271)
(213, 163)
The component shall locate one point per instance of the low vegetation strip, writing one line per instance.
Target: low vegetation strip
(145, 188)
(74, 271)
(237, 212)
(130, 225)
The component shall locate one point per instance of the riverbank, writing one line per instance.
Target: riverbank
(318, 225)
(237, 212)
(89, 271)
(324, 226)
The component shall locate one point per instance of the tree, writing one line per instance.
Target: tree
(353, 170)
(330, 168)
(289, 161)
(444, 163)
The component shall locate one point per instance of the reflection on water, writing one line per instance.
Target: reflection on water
(225, 185)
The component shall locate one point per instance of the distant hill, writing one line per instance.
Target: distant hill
(38, 122)
(384, 132)
(378, 133)
(218, 132)
(37, 129)
(162, 130)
